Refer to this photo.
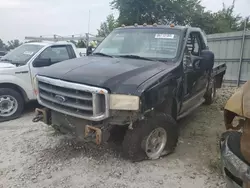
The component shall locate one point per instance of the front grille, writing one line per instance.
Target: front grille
(73, 99)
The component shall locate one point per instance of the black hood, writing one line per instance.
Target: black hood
(119, 75)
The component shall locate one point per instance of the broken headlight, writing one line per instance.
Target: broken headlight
(124, 102)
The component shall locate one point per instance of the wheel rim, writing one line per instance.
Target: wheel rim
(8, 105)
(155, 143)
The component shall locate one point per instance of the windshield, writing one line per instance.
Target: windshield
(150, 43)
(22, 54)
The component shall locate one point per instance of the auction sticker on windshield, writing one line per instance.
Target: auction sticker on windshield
(28, 53)
(164, 36)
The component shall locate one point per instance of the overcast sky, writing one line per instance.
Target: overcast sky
(20, 18)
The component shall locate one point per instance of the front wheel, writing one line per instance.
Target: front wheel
(151, 138)
(11, 104)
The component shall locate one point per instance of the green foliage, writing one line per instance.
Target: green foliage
(107, 26)
(242, 24)
(81, 44)
(10, 44)
(225, 20)
(13, 44)
(2, 46)
(179, 12)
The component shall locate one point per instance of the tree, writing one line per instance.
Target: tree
(81, 44)
(135, 11)
(225, 20)
(106, 27)
(179, 12)
(242, 24)
(2, 46)
(13, 44)
(153, 11)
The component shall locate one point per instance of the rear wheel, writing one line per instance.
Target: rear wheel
(151, 138)
(210, 94)
(11, 104)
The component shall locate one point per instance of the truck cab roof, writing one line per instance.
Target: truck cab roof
(161, 27)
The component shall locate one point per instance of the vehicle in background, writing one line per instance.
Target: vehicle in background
(235, 142)
(138, 81)
(18, 69)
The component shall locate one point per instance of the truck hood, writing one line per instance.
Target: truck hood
(119, 75)
(6, 65)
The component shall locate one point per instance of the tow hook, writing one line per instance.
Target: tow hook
(41, 115)
(38, 117)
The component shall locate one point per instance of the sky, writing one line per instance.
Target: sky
(20, 18)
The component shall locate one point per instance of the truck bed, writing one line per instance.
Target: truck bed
(219, 69)
(218, 74)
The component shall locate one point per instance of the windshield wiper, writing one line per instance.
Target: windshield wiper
(136, 57)
(102, 54)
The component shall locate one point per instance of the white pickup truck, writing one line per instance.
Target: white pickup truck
(18, 69)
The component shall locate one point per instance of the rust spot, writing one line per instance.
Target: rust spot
(101, 92)
(98, 133)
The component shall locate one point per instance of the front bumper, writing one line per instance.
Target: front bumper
(235, 169)
(80, 128)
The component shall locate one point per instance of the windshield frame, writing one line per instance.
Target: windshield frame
(21, 63)
(177, 31)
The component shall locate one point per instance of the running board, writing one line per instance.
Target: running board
(191, 109)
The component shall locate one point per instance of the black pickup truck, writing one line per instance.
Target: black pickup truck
(140, 80)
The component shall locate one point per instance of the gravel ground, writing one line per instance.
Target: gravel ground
(32, 155)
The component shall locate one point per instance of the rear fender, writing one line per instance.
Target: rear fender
(219, 79)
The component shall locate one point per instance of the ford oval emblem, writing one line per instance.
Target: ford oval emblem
(60, 98)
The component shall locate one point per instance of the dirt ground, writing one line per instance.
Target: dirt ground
(32, 155)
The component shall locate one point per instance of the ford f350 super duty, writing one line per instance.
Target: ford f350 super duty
(140, 79)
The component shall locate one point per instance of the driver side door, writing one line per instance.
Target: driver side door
(195, 80)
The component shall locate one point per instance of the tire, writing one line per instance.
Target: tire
(10, 95)
(210, 95)
(135, 140)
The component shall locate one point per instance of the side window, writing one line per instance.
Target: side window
(195, 44)
(197, 48)
(55, 53)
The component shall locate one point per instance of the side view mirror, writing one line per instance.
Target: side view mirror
(205, 61)
(196, 62)
(42, 62)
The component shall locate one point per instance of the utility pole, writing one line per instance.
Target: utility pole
(88, 30)
(242, 51)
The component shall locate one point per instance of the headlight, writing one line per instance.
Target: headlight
(124, 102)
